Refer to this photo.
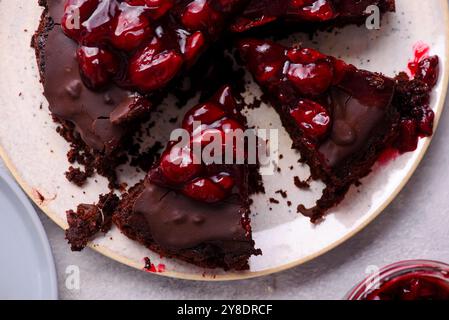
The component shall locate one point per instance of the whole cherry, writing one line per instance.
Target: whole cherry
(97, 66)
(150, 70)
(75, 13)
(132, 27)
(312, 118)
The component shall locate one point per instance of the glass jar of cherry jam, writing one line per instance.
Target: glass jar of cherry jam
(406, 280)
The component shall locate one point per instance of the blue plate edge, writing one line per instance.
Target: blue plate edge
(32, 214)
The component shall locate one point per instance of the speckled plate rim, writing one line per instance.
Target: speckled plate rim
(248, 274)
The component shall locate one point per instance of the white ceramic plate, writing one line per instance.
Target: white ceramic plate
(27, 267)
(36, 154)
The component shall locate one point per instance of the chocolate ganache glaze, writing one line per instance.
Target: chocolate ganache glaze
(361, 103)
(178, 222)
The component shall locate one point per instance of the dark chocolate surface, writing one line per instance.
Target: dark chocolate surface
(71, 100)
(360, 104)
(177, 222)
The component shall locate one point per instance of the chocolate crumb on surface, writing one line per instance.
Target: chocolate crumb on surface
(300, 183)
(89, 219)
(282, 193)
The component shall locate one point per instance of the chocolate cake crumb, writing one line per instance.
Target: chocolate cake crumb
(273, 200)
(89, 219)
(306, 212)
(282, 193)
(301, 184)
(77, 176)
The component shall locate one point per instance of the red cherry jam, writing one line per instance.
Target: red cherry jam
(180, 169)
(410, 280)
(154, 40)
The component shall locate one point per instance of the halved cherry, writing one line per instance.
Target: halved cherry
(156, 8)
(428, 71)
(75, 13)
(132, 28)
(98, 27)
(224, 180)
(340, 68)
(266, 60)
(311, 79)
(311, 10)
(312, 118)
(408, 136)
(206, 113)
(97, 66)
(199, 15)
(204, 190)
(178, 166)
(426, 121)
(195, 44)
(149, 70)
(226, 99)
(304, 55)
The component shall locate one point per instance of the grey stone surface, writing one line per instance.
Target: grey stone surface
(414, 226)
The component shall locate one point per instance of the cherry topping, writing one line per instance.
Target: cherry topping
(178, 165)
(408, 136)
(311, 10)
(340, 68)
(312, 118)
(427, 71)
(224, 180)
(194, 47)
(229, 125)
(199, 15)
(75, 13)
(265, 60)
(426, 121)
(149, 70)
(202, 181)
(100, 24)
(156, 8)
(243, 24)
(304, 55)
(97, 66)
(226, 99)
(132, 28)
(206, 113)
(311, 79)
(204, 190)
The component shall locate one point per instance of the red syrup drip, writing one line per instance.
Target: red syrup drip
(388, 155)
(413, 286)
(411, 130)
(420, 52)
(150, 267)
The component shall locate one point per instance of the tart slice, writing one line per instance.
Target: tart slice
(341, 118)
(105, 64)
(305, 12)
(196, 211)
